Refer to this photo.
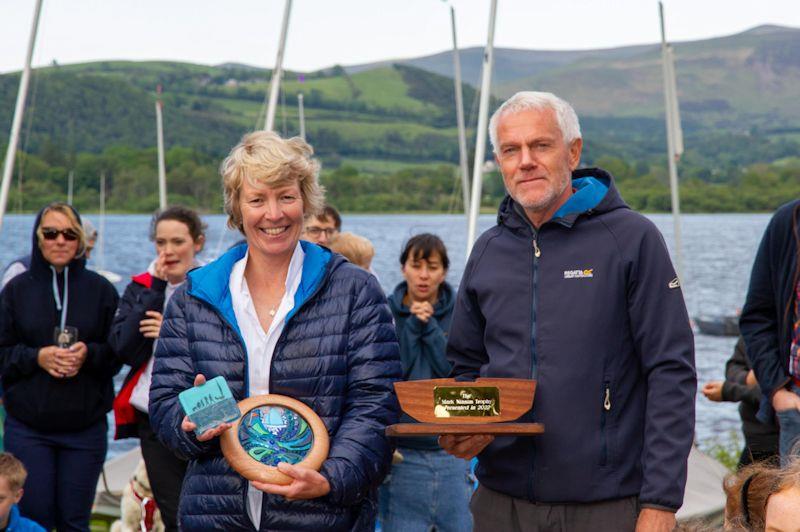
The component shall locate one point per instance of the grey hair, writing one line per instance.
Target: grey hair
(525, 100)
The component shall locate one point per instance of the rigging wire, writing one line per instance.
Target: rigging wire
(30, 110)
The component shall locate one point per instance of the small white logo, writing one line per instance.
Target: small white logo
(579, 274)
(675, 283)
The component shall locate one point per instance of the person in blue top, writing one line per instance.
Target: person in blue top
(282, 316)
(428, 489)
(12, 478)
(574, 289)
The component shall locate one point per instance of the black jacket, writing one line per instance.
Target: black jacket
(590, 306)
(144, 293)
(735, 390)
(28, 317)
(768, 313)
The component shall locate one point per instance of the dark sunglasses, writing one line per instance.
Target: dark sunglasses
(52, 234)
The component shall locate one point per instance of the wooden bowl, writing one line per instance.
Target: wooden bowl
(249, 445)
(417, 399)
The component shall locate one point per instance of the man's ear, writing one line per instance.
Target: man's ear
(18, 496)
(575, 148)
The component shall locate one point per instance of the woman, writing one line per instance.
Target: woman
(178, 234)
(57, 368)
(277, 315)
(428, 489)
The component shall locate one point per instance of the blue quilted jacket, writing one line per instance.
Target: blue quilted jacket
(338, 354)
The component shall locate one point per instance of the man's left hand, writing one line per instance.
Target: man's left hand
(306, 483)
(713, 391)
(652, 520)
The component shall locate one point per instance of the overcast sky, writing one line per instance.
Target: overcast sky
(327, 32)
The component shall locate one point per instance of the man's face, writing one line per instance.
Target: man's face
(320, 230)
(535, 161)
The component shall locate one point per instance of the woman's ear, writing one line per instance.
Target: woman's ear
(199, 243)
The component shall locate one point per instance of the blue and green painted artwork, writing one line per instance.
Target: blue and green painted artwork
(272, 434)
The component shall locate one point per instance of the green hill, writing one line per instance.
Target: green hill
(378, 126)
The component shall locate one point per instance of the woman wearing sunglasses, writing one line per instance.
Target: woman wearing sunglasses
(56, 368)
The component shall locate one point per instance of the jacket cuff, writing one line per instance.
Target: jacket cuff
(661, 507)
(727, 391)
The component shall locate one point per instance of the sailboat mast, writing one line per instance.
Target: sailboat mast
(301, 115)
(19, 109)
(70, 184)
(277, 72)
(162, 169)
(480, 137)
(462, 134)
(674, 139)
(101, 239)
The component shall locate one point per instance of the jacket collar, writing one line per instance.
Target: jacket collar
(211, 282)
(595, 192)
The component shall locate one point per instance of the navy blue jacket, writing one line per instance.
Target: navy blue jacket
(768, 314)
(422, 347)
(599, 321)
(28, 317)
(338, 354)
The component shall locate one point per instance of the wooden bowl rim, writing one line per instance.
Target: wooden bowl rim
(234, 452)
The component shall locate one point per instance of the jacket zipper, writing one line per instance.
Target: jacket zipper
(603, 422)
(537, 252)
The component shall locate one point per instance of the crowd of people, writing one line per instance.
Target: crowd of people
(570, 287)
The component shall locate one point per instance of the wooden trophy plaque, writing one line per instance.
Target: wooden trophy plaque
(483, 406)
(271, 429)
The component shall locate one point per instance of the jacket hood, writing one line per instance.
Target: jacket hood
(444, 304)
(38, 263)
(211, 282)
(593, 192)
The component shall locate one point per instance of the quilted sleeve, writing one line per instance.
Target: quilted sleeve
(360, 452)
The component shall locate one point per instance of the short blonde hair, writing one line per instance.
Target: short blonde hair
(355, 248)
(13, 471)
(266, 158)
(75, 224)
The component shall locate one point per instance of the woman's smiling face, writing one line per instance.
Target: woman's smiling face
(272, 217)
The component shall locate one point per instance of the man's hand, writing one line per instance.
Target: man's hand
(150, 327)
(713, 391)
(466, 447)
(422, 310)
(188, 426)
(306, 483)
(784, 400)
(652, 520)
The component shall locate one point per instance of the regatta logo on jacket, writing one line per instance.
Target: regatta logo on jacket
(579, 274)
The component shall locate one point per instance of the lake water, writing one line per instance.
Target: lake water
(718, 254)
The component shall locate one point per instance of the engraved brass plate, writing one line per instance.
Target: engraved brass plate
(466, 401)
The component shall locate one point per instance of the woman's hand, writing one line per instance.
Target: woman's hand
(188, 426)
(160, 267)
(465, 447)
(150, 327)
(422, 310)
(50, 362)
(72, 358)
(306, 483)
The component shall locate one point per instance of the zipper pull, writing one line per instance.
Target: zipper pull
(607, 401)
(536, 251)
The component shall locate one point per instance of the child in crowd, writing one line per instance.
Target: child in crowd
(354, 248)
(12, 478)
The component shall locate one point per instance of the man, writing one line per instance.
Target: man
(321, 229)
(770, 325)
(574, 289)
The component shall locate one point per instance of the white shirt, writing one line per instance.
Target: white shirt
(260, 345)
(140, 396)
